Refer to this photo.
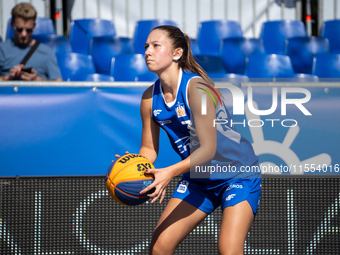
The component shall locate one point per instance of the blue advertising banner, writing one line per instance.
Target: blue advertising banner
(69, 131)
(50, 131)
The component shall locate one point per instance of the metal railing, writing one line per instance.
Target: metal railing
(186, 13)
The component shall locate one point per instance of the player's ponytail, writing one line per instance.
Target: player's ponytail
(187, 61)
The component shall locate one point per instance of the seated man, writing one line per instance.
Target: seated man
(43, 61)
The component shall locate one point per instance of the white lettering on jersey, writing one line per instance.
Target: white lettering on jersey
(163, 122)
(156, 112)
(186, 122)
(185, 142)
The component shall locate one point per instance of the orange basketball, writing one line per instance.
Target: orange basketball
(125, 178)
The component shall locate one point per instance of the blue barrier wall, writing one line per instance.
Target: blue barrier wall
(78, 130)
(68, 131)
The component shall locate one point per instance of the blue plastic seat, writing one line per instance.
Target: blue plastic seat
(131, 67)
(302, 50)
(142, 30)
(274, 34)
(212, 65)
(103, 49)
(234, 52)
(210, 33)
(74, 63)
(0, 39)
(57, 43)
(233, 78)
(331, 30)
(327, 65)
(91, 77)
(194, 47)
(82, 30)
(43, 26)
(269, 66)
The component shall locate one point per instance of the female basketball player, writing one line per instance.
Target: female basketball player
(174, 104)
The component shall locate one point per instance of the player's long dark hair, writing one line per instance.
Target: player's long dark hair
(187, 61)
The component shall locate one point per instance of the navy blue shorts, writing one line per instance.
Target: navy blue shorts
(231, 192)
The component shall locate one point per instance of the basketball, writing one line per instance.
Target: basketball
(125, 178)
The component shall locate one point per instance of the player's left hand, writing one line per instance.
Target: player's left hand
(162, 179)
(118, 156)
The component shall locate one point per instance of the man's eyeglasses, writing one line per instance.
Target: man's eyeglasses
(20, 29)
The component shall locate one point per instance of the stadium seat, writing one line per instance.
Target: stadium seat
(234, 52)
(90, 77)
(126, 44)
(302, 50)
(274, 34)
(194, 47)
(131, 67)
(233, 78)
(327, 65)
(142, 30)
(212, 65)
(43, 26)
(210, 33)
(58, 43)
(82, 30)
(331, 30)
(104, 48)
(0, 39)
(269, 66)
(71, 63)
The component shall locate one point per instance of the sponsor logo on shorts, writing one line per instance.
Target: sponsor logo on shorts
(230, 197)
(183, 186)
(234, 186)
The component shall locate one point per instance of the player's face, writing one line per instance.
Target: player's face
(158, 51)
(23, 30)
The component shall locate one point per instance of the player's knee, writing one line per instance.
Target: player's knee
(159, 247)
(158, 250)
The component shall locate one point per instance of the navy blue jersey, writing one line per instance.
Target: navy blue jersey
(232, 148)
